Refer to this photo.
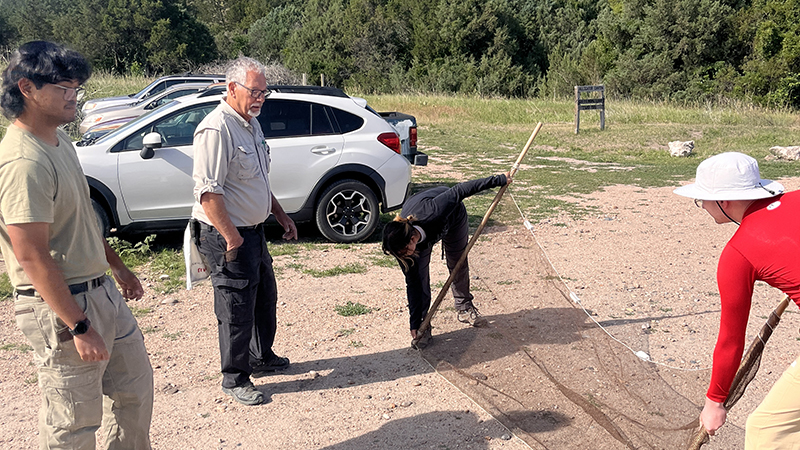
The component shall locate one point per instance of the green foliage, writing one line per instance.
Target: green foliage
(6, 289)
(335, 271)
(22, 348)
(352, 309)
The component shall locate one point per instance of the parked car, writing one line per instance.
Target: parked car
(120, 114)
(333, 161)
(153, 88)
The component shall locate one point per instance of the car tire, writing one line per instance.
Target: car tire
(347, 212)
(102, 218)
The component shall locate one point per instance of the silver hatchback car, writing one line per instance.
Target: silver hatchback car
(334, 161)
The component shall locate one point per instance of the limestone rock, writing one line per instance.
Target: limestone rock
(681, 148)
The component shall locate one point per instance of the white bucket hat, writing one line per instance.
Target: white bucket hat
(729, 176)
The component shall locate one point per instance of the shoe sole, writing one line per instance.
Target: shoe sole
(267, 372)
(244, 402)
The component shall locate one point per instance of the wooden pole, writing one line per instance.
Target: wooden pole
(741, 379)
(432, 311)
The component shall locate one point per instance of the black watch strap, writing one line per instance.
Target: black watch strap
(80, 327)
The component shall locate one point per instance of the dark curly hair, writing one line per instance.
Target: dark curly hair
(43, 63)
(396, 236)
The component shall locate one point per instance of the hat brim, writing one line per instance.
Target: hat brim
(770, 189)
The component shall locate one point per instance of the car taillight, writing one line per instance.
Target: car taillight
(412, 137)
(391, 140)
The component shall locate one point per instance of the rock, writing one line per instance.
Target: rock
(681, 148)
(416, 383)
(506, 437)
(170, 388)
(789, 153)
(479, 376)
(406, 404)
(313, 374)
(387, 417)
(164, 277)
(169, 301)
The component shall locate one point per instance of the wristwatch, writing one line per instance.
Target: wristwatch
(80, 327)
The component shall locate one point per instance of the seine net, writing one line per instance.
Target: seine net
(553, 376)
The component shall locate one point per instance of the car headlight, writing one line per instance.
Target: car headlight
(93, 119)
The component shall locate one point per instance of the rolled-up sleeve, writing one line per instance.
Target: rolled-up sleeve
(210, 161)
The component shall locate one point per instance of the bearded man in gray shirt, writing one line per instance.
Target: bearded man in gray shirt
(232, 201)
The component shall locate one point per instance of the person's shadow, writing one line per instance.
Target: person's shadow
(422, 431)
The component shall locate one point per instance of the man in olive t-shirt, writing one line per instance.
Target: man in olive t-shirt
(92, 363)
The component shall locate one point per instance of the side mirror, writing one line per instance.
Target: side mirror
(150, 142)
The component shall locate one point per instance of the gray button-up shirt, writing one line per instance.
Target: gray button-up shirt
(231, 157)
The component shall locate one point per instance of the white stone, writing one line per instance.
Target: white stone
(791, 153)
(681, 148)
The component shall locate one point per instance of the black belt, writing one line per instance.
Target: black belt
(206, 227)
(74, 289)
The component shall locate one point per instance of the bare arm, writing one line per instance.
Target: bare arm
(286, 222)
(31, 244)
(214, 207)
(128, 283)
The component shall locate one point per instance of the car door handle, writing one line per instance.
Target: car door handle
(322, 150)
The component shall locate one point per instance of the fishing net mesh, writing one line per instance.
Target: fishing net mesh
(549, 373)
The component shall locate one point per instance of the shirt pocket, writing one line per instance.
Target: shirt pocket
(245, 163)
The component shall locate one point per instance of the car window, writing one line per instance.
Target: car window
(320, 122)
(347, 122)
(176, 129)
(171, 96)
(284, 118)
(155, 89)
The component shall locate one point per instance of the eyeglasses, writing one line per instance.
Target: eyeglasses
(255, 93)
(70, 93)
(698, 203)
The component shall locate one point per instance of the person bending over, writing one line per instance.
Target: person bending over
(426, 218)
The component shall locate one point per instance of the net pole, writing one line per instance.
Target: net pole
(432, 310)
(747, 369)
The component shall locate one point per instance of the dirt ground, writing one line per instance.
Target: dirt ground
(643, 267)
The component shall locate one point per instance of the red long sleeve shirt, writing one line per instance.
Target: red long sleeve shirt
(766, 247)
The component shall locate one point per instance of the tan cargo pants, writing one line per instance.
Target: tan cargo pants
(775, 424)
(79, 396)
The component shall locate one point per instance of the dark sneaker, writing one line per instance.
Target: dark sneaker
(472, 317)
(423, 340)
(268, 367)
(246, 394)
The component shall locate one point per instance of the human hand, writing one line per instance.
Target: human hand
(129, 285)
(713, 416)
(508, 178)
(290, 229)
(235, 242)
(90, 346)
(413, 334)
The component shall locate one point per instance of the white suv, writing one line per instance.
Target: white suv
(334, 161)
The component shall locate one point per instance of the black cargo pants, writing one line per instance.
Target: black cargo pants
(245, 299)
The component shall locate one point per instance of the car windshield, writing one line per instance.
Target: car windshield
(143, 93)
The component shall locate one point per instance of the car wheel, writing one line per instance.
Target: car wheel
(347, 212)
(102, 218)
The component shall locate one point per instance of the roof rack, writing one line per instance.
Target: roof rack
(316, 90)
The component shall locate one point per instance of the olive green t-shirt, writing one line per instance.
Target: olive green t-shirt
(42, 183)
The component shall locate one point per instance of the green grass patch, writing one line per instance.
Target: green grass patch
(335, 271)
(383, 261)
(149, 329)
(352, 309)
(12, 347)
(283, 249)
(140, 311)
(356, 344)
(345, 332)
(6, 289)
(172, 336)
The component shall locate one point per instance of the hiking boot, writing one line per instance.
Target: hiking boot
(246, 394)
(262, 369)
(422, 340)
(472, 317)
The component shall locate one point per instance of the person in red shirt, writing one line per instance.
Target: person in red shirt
(765, 247)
